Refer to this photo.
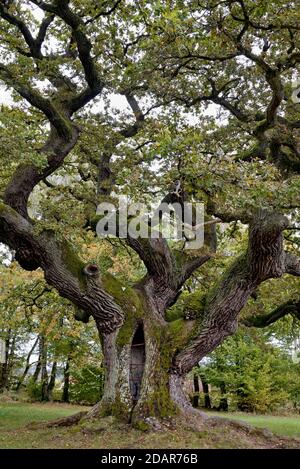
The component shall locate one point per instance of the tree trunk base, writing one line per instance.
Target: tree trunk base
(189, 419)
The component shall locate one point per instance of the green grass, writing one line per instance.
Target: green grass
(15, 415)
(280, 425)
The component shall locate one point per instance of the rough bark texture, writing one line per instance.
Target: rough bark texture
(264, 259)
(161, 340)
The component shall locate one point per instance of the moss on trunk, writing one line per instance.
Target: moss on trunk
(162, 340)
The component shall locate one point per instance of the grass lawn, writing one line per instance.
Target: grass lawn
(15, 415)
(281, 425)
(15, 434)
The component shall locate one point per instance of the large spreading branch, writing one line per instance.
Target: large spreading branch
(62, 138)
(84, 46)
(168, 269)
(291, 307)
(59, 109)
(280, 142)
(62, 268)
(264, 259)
(34, 97)
(26, 177)
(34, 44)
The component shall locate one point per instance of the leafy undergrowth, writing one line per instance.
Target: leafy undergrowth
(106, 434)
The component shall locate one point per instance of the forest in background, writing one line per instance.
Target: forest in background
(52, 357)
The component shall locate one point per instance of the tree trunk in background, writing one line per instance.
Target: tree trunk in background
(223, 406)
(37, 371)
(65, 394)
(11, 355)
(7, 366)
(205, 387)
(52, 380)
(243, 403)
(44, 372)
(3, 376)
(38, 364)
(27, 365)
(4, 368)
(196, 391)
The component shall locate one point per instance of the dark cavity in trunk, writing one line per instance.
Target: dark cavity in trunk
(137, 362)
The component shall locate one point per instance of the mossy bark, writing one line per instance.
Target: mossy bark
(162, 340)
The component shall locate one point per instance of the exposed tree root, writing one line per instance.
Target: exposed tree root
(94, 412)
(93, 431)
(63, 422)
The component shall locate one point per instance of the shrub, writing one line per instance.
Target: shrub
(87, 385)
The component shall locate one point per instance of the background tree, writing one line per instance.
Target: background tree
(47, 340)
(257, 376)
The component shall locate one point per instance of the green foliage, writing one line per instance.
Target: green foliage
(34, 390)
(31, 309)
(258, 376)
(189, 306)
(87, 385)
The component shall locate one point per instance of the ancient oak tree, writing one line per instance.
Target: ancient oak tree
(135, 97)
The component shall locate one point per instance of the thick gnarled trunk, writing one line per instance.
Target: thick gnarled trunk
(138, 362)
(137, 374)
